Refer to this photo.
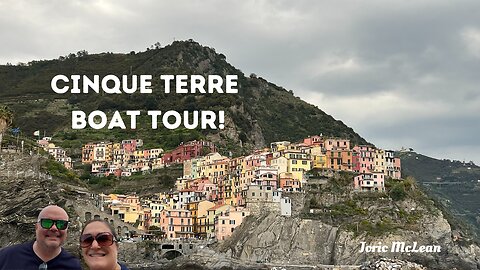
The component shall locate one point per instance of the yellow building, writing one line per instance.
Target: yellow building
(236, 169)
(318, 157)
(292, 161)
(212, 213)
(138, 155)
(279, 146)
(218, 169)
(119, 158)
(198, 212)
(181, 183)
(203, 163)
(128, 209)
(128, 213)
(380, 162)
(156, 208)
(213, 166)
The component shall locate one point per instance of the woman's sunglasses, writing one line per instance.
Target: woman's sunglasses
(103, 239)
(47, 223)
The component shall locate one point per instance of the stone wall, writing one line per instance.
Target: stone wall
(259, 207)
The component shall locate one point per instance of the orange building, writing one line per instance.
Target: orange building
(288, 183)
(87, 153)
(339, 159)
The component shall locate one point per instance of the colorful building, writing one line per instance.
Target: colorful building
(227, 222)
(369, 182)
(176, 223)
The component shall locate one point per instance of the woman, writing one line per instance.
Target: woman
(99, 246)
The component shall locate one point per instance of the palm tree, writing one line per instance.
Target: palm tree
(6, 118)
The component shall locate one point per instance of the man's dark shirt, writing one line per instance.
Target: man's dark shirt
(22, 257)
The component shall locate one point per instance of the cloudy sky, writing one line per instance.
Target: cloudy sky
(401, 73)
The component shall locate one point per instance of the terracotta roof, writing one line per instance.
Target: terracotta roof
(217, 206)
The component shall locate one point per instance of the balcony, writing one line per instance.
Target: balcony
(367, 178)
(367, 184)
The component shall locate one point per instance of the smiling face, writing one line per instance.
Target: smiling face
(53, 238)
(99, 257)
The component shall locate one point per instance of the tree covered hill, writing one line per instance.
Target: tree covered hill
(260, 113)
(454, 184)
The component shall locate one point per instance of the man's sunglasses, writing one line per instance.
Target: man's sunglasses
(47, 223)
(103, 239)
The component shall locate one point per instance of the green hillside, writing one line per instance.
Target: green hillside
(260, 113)
(454, 184)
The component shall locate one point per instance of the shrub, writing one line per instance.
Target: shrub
(398, 193)
(313, 203)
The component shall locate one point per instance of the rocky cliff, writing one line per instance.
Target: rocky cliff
(322, 237)
(25, 189)
(284, 240)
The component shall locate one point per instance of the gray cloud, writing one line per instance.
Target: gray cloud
(401, 73)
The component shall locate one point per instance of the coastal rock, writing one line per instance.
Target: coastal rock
(294, 241)
(391, 264)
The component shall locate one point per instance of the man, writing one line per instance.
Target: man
(46, 251)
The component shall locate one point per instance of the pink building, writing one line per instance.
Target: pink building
(226, 223)
(266, 176)
(131, 145)
(176, 223)
(336, 144)
(355, 161)
(393, 167)
(365, 154)
(397, 167)
(253, 161)
(187, 151)
(314, 141)
(369, 182)
(203, 185)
